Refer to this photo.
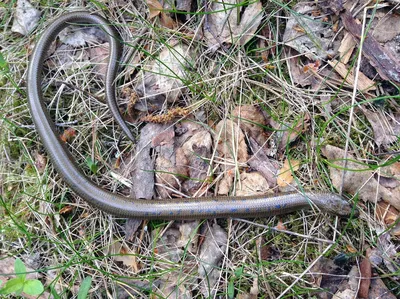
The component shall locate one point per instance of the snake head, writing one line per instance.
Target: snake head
(336, 205)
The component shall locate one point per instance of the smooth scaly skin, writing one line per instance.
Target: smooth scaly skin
(190, 208)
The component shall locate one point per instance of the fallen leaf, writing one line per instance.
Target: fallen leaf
(351, 249)
(378, 289)
(211, 252)
(285, 174)
(384, 61)
(40, 162)
(260, 161)
(226, 182)
(231, 143)
(325, 275)
(280, 225)
(251, 121)
(386, 213)
(68, 135)
(173, 287)
(252, 183)
(287, 133)
(26, 18)
(66, 209)
(155, 8)
(230, 23)
(98, 55)
(346, 294)
(346, 48)
(386, 130)
(366, 273)
(358, 178)
(308, 34)
(363, 84)
(121, 253)
(162, 79)
(139, 166)
(387, 28)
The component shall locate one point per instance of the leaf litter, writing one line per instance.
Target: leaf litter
(179, 157)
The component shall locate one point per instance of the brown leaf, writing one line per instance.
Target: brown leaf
(290, 131)
(346, 48)
(251, 184)
(366, 273)
(211, 253)
(68, 135)
(385, 130)
(386, 213)
(230, 137)
(304, 30)
(363, 83)
(251, 121)
(260, 161)
(379, 290)
(358, 178)
(155, 8)
(228, 24)
(40, 162)
(163, 77)
(98, 55)
(387, 28)
(351, 249)
(121, 253)
(285, 174)
(66, 209)
(384, 61)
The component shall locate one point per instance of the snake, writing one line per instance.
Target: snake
(263, 205)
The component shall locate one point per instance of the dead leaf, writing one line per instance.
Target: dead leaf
(384, 61)
(346, 294)
(140, 165)
(260, 161)
(66, 209)
(361, 181)
(363, 84)
(40, 162)
(351, 249)
(68, 135)
(386, 131)
(155, 8)
(121, 253)
(211, 252)
(173, 287)
(251, 184)
(231, 144)
(251, 121)
(378, 289)
(285, 174)
(197, 152)
(280, 225)
(98, 55)
(366, 273)
(228, 23)
(26, 18)
(346, 48)
(287, 133)
(322, 276)
(226, 182)
(387, 28)
(307, 34)
(162, 80)
(386, 213)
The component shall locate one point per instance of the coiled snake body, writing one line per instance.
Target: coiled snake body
(190, 208)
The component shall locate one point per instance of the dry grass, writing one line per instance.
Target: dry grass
(68, 248)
